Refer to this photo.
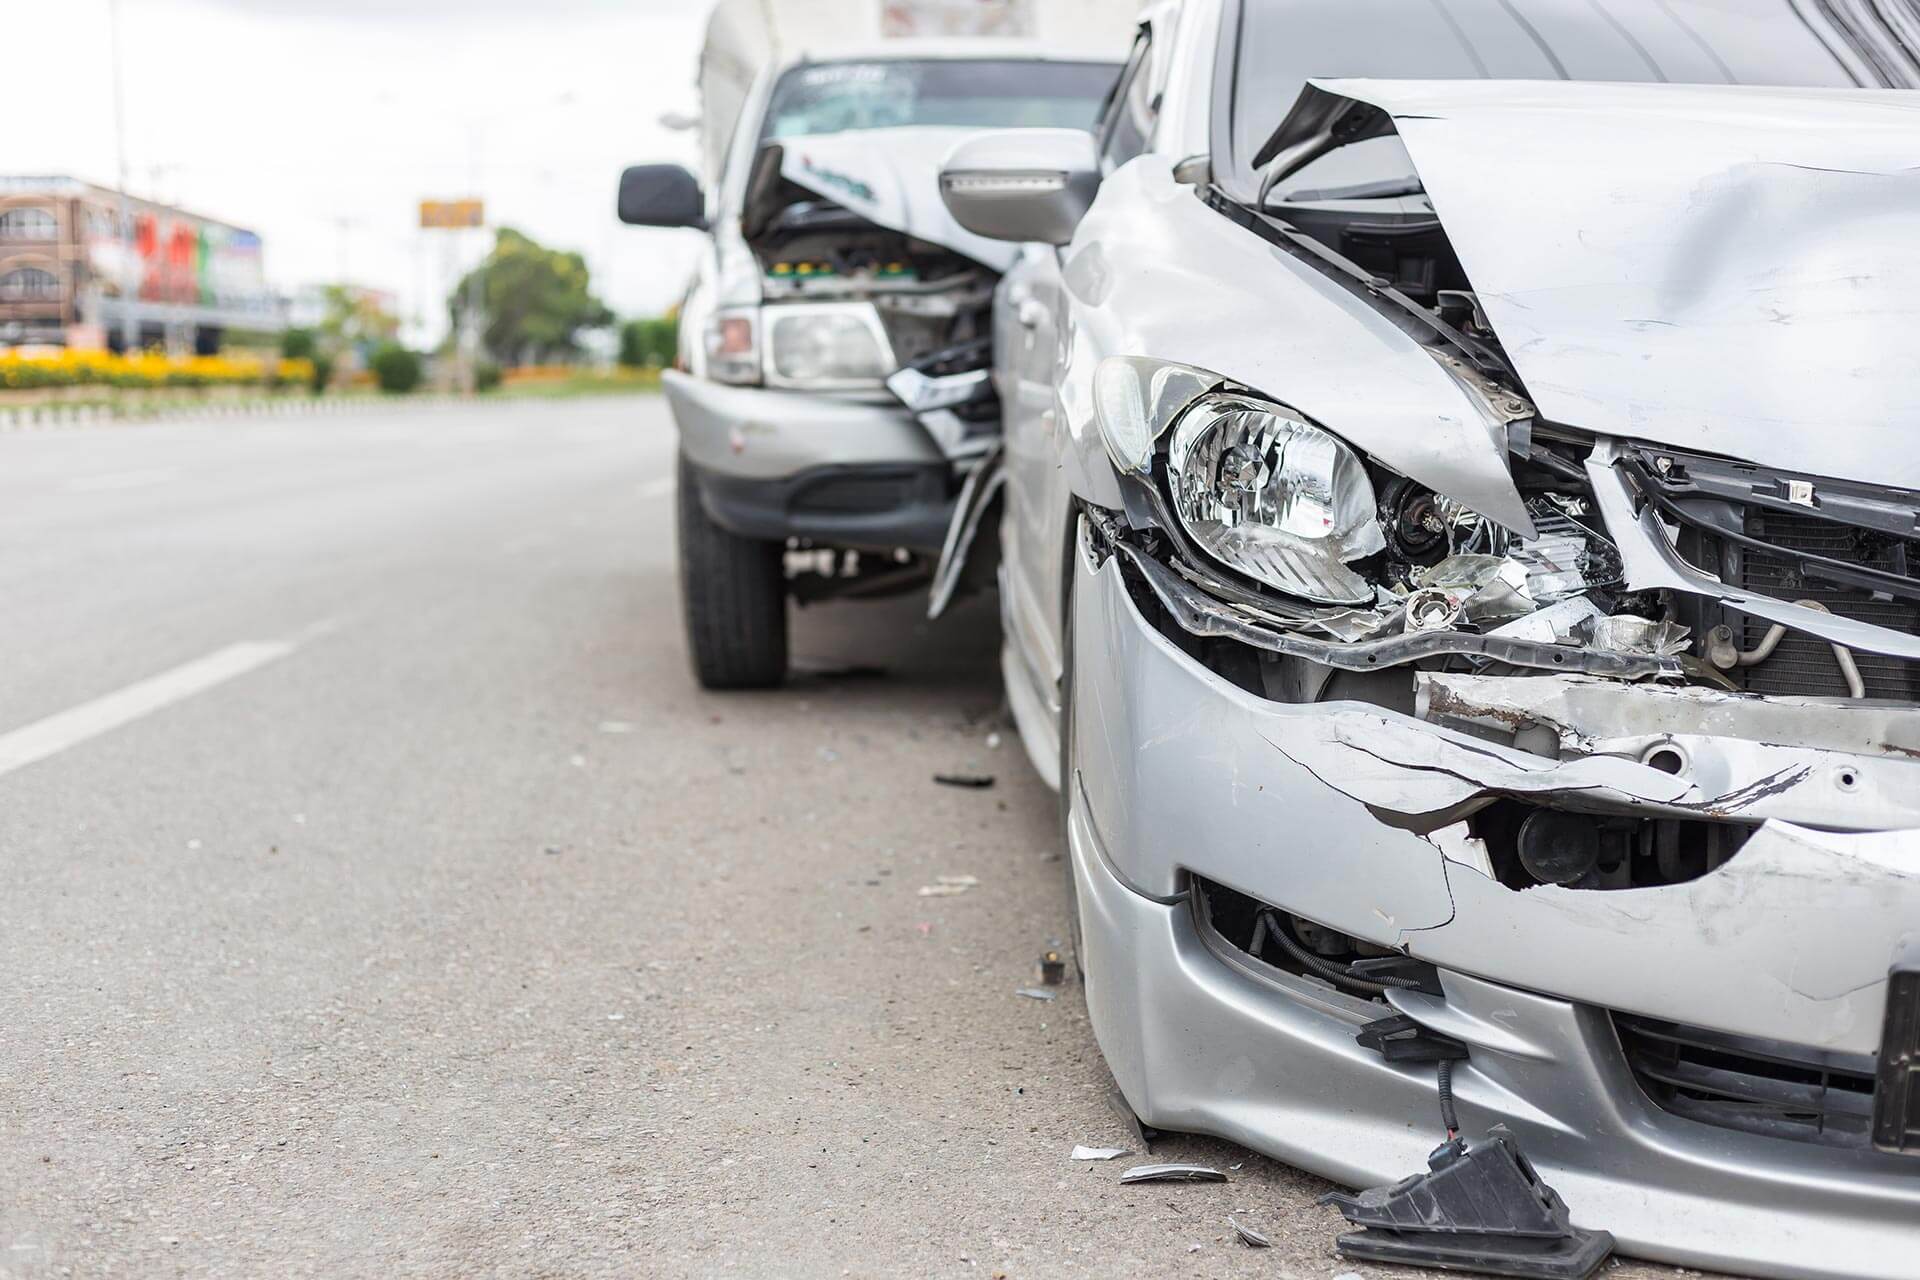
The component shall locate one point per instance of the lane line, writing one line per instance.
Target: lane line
(75, 725)
(121, 480)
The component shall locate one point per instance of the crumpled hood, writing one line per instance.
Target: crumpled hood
(1728, 269)
(892, 177)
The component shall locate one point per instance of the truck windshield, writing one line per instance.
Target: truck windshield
(837, 97)
(1275, 45)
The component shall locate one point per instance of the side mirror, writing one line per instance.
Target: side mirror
(661, 195)
(1021, 184)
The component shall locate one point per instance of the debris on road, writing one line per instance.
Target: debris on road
(1249, 1237)
(1477, 1208)
(948, 886)
(617, 726)
(972, 781)
(1036, 993)
(1097, 1153)
(1053, 969)
(1172, 1173)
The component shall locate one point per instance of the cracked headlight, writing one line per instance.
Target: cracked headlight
(826, 345)
(1272, 495)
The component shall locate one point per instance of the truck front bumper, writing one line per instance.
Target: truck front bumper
(834, 470)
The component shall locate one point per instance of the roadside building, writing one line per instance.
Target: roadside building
(72, 275)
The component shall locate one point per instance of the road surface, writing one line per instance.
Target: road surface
(382, 898)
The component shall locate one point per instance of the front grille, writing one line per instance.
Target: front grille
(1803, 665)
(1755, 1086)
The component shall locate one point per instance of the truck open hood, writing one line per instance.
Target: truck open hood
(891, 177)
(1724, 268)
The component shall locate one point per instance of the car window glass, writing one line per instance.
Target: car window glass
(1276, 45)
(1129, 121)
(841, 97)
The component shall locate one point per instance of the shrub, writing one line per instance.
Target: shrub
(395, 368)
(297, 344)
(322, 372)
(486, 376)
(650, 343)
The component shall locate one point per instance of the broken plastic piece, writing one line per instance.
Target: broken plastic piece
(1037, 993)
(1172, 1173)
(1249, 1237)
(1097, 1153)
(1477, 1208)
(948, 886)
(1398, 1038)
(973, 781)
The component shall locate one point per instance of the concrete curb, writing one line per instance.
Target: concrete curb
(55, 417)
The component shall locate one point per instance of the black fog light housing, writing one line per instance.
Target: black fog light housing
(1896, 1082)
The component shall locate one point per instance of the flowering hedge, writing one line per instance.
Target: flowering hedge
(66, 368)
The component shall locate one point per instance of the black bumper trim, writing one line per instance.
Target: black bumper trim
(868, 506)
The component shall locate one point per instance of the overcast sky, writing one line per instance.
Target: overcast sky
(322, 123)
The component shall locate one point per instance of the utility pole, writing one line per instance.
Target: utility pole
(129, 267)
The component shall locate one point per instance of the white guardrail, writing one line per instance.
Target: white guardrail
(53, 417)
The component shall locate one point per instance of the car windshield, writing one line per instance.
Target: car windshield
(837, 97)
(1278, 44)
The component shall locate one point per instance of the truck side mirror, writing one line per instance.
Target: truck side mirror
(1023, 185)
(661, 195)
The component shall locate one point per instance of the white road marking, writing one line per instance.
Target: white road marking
(657, 488)
(75, 725)
(121, 480)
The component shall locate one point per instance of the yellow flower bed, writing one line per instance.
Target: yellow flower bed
(64, 368)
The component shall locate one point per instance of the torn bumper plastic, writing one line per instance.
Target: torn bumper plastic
(1318, 810)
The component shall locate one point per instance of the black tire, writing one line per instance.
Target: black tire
(733, 592)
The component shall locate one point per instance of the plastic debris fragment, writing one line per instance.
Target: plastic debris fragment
(1172, 1173)
(1477, 1208)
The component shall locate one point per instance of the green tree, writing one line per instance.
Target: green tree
(297, 344)
(651, 342)
(395, 368)
(534, 300)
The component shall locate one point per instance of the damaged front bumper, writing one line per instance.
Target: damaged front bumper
(833, 469)
(1347, 814)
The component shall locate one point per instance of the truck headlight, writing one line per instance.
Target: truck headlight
(826, 345)
(733, 345)
(1275, 497)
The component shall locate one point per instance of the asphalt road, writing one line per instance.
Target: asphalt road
(382, 898)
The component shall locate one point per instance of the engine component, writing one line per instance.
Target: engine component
(1559, 848)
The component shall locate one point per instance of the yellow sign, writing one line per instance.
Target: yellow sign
(452, 213)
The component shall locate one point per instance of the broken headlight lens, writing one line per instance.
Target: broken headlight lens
(825, 345)
(1270, 494)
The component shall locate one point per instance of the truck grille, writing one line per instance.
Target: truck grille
(1802, 665)
(1756, 1086)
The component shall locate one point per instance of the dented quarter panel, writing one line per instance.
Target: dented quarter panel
(891, 177)
(1660, 267)
(1305, 807)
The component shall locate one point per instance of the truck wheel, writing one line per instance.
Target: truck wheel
(733, 591)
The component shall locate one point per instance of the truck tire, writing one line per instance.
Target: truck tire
(733, 591)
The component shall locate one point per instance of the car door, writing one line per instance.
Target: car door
(1032, 328)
